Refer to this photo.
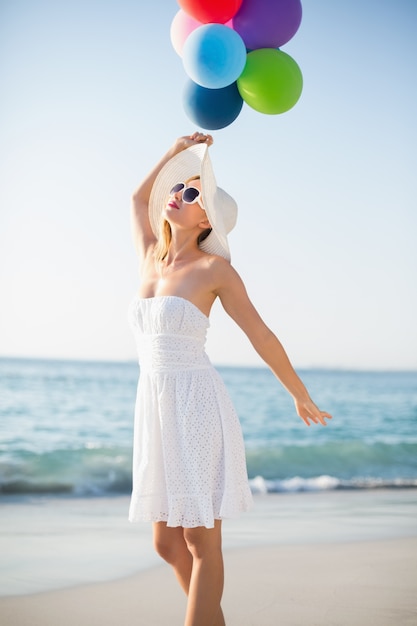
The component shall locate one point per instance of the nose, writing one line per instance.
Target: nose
(178, 196)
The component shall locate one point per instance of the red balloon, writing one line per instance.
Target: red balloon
(209, 11)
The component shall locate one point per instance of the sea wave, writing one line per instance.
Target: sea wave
(83, 472)
(346, 459)
(298, 484)
(100, 470)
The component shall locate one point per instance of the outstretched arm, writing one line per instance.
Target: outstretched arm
(237, 304)
(143, 236)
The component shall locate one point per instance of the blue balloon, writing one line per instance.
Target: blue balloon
(212, 109)
(214, 56)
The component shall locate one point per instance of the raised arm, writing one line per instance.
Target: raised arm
(143, 236)
(237, 304)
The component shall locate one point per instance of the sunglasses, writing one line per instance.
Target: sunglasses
(189, 194)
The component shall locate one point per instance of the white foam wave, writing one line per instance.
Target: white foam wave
(326, 483)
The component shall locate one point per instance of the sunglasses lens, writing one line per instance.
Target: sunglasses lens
(176, 188)
(190, 195)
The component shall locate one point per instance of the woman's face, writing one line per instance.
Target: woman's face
(182, 213)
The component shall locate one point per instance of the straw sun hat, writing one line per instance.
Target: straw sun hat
(220, 208)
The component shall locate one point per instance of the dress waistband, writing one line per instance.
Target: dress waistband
(165, 353)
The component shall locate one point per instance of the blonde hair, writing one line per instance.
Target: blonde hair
(165, 234)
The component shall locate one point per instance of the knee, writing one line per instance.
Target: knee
(166, 549)
(202, 542)
(170, 545)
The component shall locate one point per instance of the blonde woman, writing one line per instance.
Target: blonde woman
(189, 467)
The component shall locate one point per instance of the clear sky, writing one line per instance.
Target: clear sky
(91, 96)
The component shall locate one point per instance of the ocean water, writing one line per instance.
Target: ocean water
(66, 428)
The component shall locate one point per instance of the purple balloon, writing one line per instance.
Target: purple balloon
(267, 23)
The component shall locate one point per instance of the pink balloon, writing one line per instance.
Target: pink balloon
(182, 25)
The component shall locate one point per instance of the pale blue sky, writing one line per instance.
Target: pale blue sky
(91, 95)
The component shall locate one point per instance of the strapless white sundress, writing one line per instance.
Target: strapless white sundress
(189, 465)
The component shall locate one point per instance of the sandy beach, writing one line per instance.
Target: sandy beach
(346, 584)
(325, 559)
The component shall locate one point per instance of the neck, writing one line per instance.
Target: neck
(181, 249)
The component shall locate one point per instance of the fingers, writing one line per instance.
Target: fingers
(316, 417)
(202, 138)
(320, 418)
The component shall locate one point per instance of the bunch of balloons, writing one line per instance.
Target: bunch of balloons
(230, 52)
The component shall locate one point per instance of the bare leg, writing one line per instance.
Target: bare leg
(207, 576)
(171, 545)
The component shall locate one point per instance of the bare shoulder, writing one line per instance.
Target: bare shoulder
(224, 275)
(204, 279)
(220, 269)
(231, 291)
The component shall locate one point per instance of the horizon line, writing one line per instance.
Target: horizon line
(260, 366)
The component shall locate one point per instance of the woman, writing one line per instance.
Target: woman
(189, 469)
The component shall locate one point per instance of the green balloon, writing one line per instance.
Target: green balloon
(271, 81)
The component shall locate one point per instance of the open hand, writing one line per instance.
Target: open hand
(309, 412)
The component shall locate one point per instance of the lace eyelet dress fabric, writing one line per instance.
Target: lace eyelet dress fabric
(189, 465)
